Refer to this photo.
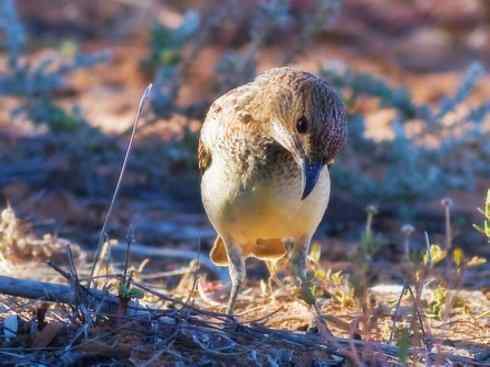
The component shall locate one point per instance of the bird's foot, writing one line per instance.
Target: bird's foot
(232, 300)
(319, 323)
(305, 290)
(230, 307)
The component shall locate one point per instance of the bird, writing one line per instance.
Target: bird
(264, 153)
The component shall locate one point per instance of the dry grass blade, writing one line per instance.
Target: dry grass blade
(101, 240)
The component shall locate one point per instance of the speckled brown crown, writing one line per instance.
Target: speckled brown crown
(325, 104)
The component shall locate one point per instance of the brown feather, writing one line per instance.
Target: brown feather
(203, 157)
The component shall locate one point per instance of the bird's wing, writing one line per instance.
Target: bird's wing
(221, 118)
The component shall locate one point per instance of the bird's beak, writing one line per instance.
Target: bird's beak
(311, 173)
(310, 169)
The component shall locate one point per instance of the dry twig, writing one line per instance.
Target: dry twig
(103, 232)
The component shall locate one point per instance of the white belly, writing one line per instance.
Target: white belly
(263, 210)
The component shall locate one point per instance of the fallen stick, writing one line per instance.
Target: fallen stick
(51, 292)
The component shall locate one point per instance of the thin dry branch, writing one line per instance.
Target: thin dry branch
(103, 232)
(51, 292)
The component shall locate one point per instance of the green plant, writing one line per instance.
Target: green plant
(165, 61)
(36, 84)
(166, 44)
(371, 242)
(403, 343)
(484, 229)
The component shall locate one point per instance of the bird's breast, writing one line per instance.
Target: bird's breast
(259, 197)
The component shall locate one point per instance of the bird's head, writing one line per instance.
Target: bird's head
(306, 117)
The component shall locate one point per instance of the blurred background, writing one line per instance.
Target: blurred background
(412, 74)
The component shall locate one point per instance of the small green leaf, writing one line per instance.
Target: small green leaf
(485, 228)
(403, 344)
(125, 292)
(458, 257)
(136, 293)
(169, 57)
(320, 274)
(434, 255)
(315, 253)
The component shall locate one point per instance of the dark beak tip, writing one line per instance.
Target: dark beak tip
(307, 191)
(311, 173)
(305, 195)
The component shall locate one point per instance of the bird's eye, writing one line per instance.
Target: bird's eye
(302, 125)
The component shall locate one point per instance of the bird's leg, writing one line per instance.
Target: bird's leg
(297, 262)
(236, 267)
